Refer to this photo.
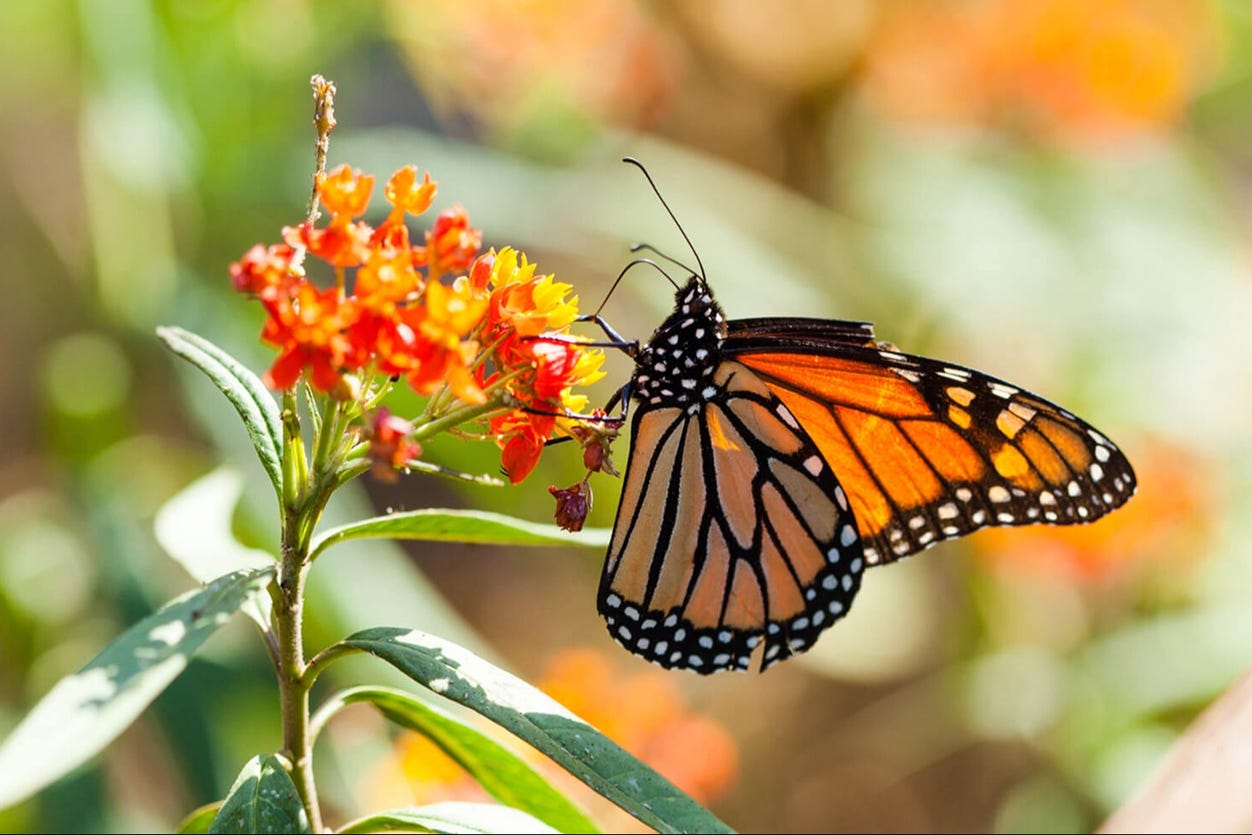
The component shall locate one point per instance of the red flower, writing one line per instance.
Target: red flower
(388, 277)
(452, 243)
(341, 244)
(481, 271)
(521, 436)
(264, 271)
(442, 324)
(308, 329)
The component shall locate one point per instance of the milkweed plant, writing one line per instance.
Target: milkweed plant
(354, 310)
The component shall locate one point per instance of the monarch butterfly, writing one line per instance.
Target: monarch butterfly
(773, 460)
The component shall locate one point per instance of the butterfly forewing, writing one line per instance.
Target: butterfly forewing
(732, 532)
(928, 450)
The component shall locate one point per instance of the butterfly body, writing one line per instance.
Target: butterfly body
(678, 362)
(772, 460)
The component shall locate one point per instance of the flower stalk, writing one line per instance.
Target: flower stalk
(480, 335)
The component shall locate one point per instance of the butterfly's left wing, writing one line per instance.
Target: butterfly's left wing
(731, 530)
(928, 450)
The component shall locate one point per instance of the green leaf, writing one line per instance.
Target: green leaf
(477, 526)
(243, 389)
(593, 758)
(263, 799)
(199, 820)
(504, 775)
(85, 711)
(194, 528)
(452, 817)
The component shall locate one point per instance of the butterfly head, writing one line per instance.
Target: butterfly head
(677, 364)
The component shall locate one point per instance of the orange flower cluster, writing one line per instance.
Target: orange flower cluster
(437, 313)
(488, 59)
(521, 309)
(1059, 69)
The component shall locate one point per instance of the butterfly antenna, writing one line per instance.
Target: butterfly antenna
(627, 269)
(672, 216)
(642, 246)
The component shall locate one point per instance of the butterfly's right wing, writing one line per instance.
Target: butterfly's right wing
(732, 530)
(929, 450)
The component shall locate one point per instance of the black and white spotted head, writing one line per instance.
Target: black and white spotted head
(678, 362)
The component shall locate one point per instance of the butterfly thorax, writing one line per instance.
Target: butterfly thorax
(677, 364)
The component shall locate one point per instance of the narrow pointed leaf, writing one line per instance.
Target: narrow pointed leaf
(85, 711)
(477, 526)
(243, 389)
(263, 799)
(459, 675)
(452, 817)
(503, 774)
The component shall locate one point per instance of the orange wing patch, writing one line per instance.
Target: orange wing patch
(929, 451)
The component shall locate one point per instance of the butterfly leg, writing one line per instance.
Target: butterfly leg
(626, 346)
(621, 397)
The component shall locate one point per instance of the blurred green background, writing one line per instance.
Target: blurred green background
(1057, 192)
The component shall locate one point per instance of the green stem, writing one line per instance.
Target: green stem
(323, 659)
(351, 470)
(331, 429)
(295, 474)
(293, 692)
(455, 418)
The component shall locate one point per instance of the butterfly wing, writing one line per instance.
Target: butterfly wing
(927, 450)
(810, 330)
(732, 530)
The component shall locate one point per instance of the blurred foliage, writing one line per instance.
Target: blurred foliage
(1057, 192)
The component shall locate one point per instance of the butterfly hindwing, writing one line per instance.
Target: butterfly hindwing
(928, 450)
(732, 531)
